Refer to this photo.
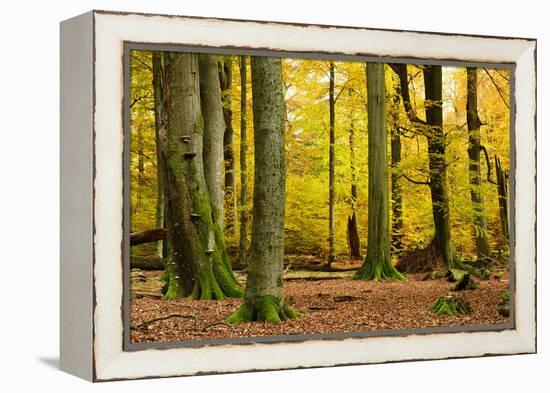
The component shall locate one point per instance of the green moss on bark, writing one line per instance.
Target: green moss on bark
(450, 305)
(378, 269)
(267, 308)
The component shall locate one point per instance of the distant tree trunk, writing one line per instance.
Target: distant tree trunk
(198, 266)
(160, 132)
(214, 128)
(396, 188)
(502, 189)
(377, 264)
(353, 234)
(474, 167)
(331, 190)
(437, 162)
(242, 160)
(263, 299)
(226, 82)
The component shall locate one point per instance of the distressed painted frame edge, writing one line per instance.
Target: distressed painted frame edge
(94, 350)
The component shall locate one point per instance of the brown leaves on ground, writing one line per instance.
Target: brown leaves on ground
(327, 306)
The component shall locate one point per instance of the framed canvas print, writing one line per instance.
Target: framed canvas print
(246, 195)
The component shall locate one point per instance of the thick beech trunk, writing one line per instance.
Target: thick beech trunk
(214, 128)
(242, 160)
(226, 82)
(377, 264)
(437, 162)
(331, 167)
(474, 167)
(198, 266)
(263, 299)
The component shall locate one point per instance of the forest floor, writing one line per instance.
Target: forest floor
(329, 302)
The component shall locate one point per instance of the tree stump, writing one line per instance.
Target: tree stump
(450, 305)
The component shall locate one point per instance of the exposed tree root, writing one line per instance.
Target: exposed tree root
(450, 305)
(421, 260)
(376, 271)
(266, 308)
(174, 315)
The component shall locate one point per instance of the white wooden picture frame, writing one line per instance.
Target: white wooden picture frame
(93, 281)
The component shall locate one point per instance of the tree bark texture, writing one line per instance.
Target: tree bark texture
(353, 234)
(377, 264)
(160, 134)
(263, 299)
(474, 167)
(198, 266)
(242, 161)
(331, 189)
(502, 189)
(226, 83)
(214, 128)
(396, 188)
(437, 162)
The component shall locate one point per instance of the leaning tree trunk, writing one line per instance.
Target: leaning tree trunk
(474, 167)
(242, 160)
(226, 82)
(160, 132)
(263, 299)
(353, 234)
(377, 264)
(331, 167)
(437, 162)
(197, 265)
(396, 188)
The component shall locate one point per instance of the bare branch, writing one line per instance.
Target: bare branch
(497, 87)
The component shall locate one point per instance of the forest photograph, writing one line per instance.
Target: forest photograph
(275, 196)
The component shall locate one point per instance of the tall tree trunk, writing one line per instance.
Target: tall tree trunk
(331, 190)
(263, 299)
(214, 128)
(226, 82)
(396, 188)
(474, 167)
(353, 234)
(197, 266)
(160, 132)
(502, 189)
(437, 162)
(242, 160)
(377, 264)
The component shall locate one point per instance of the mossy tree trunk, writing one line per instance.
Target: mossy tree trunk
(242, 161)
(214, 128)
(377, 264)
(226, 83)
(197, 265)
(474, 167)
(160, 132)
(331, 189)
(263, 299)
(437, 162)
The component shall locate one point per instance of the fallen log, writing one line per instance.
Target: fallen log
(152, 235)
(145, 263)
